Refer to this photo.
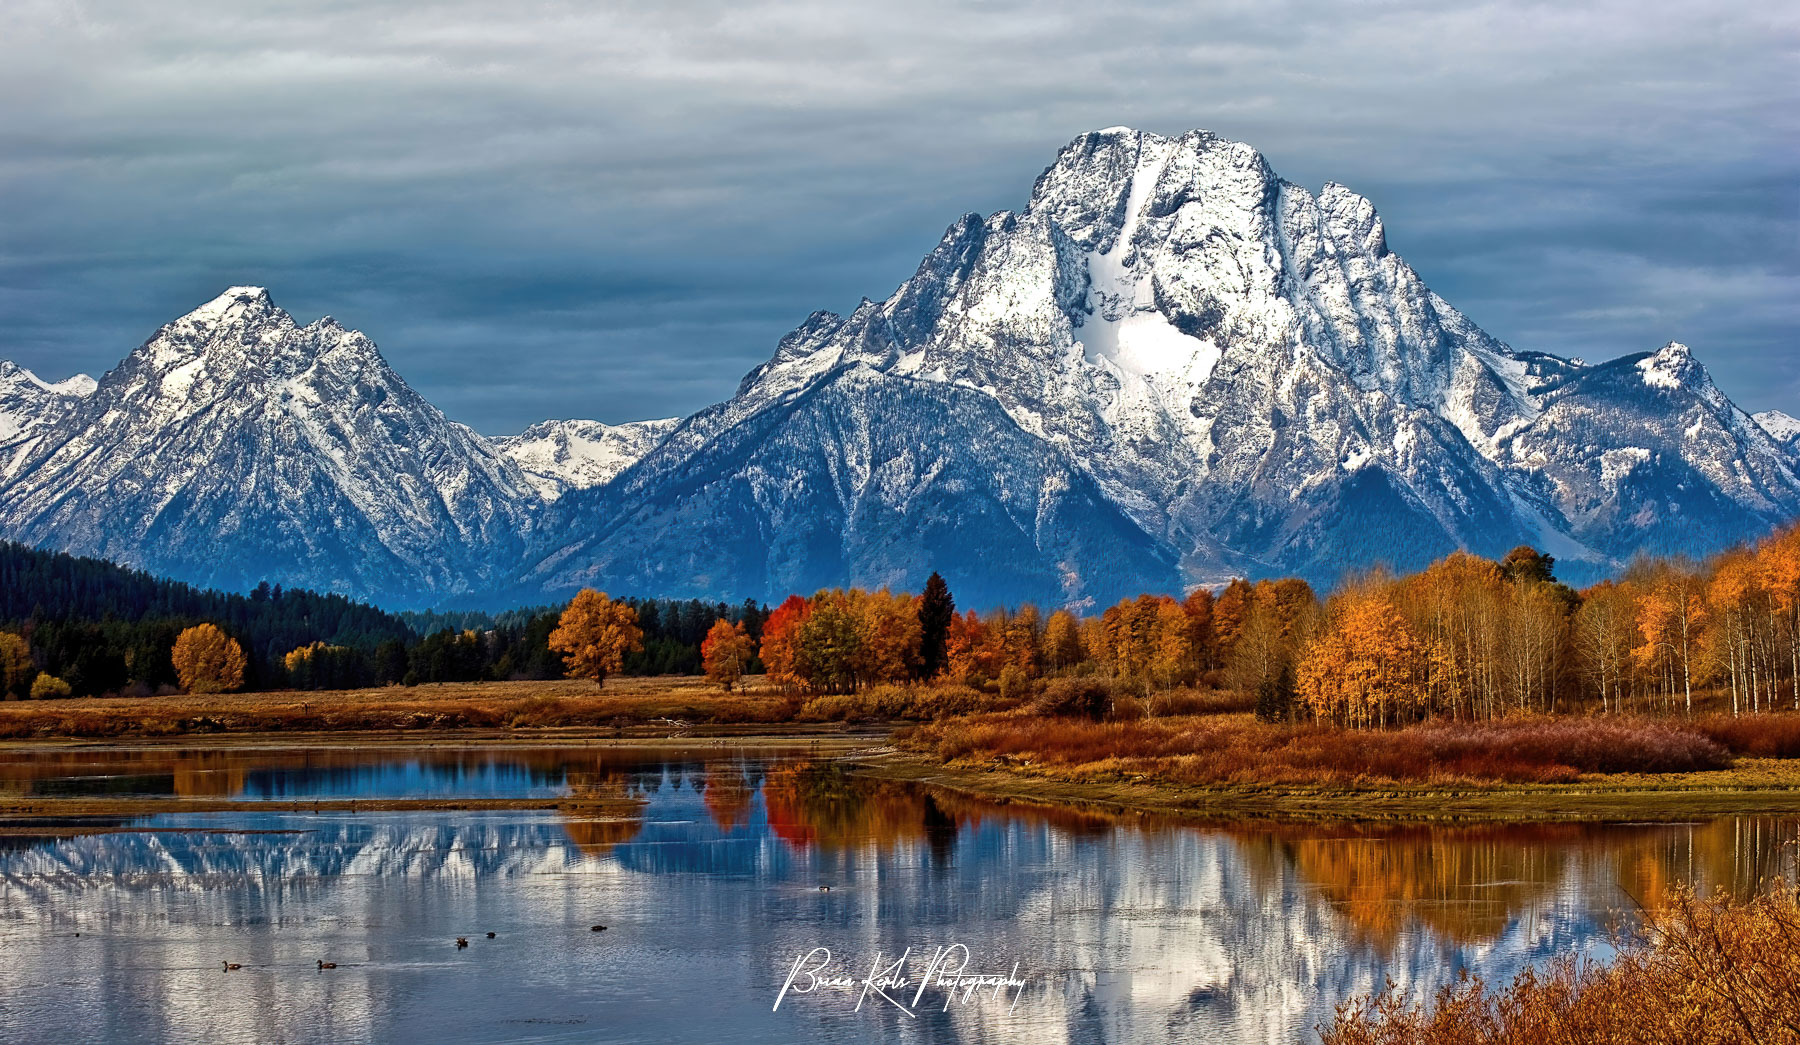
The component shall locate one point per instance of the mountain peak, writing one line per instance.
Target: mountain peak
(1672, 366)
(234, 301)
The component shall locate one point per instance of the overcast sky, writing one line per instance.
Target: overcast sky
(544, 209)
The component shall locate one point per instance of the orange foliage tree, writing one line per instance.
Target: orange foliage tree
(725, 652)
(594, 635)
(208, 661)
(779, 643)
(1368, 669)
(16, 667)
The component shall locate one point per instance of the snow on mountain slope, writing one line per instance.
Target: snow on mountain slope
(559, 456)
(1257, 380)
(28, 404)
(1785, 429)
(1170, 367)
(235, 446)
(1645, 454)
(860, 478)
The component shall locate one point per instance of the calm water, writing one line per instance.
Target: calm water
(1122, 932)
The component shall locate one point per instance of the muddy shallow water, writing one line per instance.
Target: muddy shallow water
(728, 877)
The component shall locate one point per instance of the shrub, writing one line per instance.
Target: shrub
(1235, 750)
(1126, 708)
(1090, 698)
(888, 701)
(1700, 971)
(1188, 700)
(1015, 683)
(1759, 736)
(48, 687)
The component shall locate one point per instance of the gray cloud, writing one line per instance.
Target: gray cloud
(612, 210)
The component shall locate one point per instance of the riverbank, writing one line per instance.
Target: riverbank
(687, 715)
(1752, 787)
(640, 707)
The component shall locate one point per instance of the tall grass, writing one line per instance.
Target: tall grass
(884, 702)
(1706, 971)
(1759, 736)
(1239, 750)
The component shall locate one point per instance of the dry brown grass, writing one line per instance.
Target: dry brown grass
(1709, 972)
(1762, 736)
(491, 705)
(915, 703)
(1238, 750)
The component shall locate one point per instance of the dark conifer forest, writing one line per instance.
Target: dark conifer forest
(105, 628)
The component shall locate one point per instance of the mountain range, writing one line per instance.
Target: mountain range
(1169, 368)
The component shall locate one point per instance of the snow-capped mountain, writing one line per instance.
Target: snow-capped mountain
(859, 477)
(236, 446)
(559, 456)
(1242, 367)
(1784, 428)
(28, 402)
(1170, 367)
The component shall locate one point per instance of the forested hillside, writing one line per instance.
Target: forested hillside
(104, 628)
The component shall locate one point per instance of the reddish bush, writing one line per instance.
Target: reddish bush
(1759, 736)
(1238, 750)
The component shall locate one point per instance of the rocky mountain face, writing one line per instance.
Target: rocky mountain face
(1784, 429)
(27, 402)
(1169, 368)
(559, 456)
(859, 477)
(1261, 386)
(236, 446)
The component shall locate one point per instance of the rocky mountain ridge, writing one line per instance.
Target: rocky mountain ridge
(1169, 368)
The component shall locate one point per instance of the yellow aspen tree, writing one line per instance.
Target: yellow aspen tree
(594, 635)
(208, 661)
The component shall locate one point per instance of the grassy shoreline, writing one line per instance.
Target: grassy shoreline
(684, 713)
(1755, 786)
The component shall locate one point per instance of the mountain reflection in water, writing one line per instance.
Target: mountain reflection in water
(1127, 930)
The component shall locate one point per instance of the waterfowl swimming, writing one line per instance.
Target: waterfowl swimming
(230, 966)
(596, 928)
(462, 941)
(327, 965)
(490, 936)
(824, 888)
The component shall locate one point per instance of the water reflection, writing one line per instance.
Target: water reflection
(1128, 931)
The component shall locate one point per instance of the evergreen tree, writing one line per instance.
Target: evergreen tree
(1275, 695)
(936, 610)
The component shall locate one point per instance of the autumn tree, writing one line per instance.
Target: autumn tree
(1604, 626)
(780, 643)
(16, 666)
(1778, 560)
(1230, 611)
(208, 661)
(1062, 641)
(890, 637)
(828, 642)
(1671, 617)
(1526, 564)
(1276, 620)
(594, 635)
(48, 687)
(1172, 661)
(936, 610)
(1368, 668)
(725, 652)
(1199, 609)
(1022, 639)
(971, 651)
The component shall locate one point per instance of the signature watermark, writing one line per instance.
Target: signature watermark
(907, 983)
